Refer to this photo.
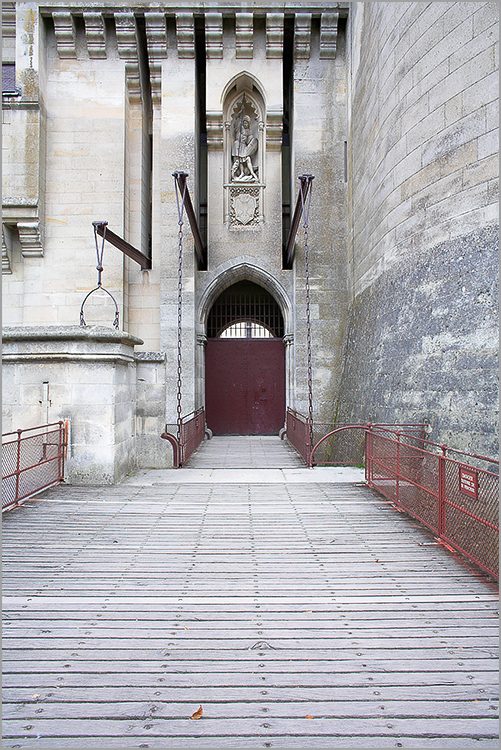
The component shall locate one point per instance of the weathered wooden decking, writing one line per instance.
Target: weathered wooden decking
(299, 615)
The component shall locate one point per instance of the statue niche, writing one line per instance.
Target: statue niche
(244, 154)
(245, 145)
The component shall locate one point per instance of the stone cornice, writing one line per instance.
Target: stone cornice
(157, 19)
(109, 7)
(13, 334)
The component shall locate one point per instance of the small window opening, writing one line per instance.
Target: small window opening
(246, 329)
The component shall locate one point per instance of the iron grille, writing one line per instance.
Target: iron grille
(243, 310)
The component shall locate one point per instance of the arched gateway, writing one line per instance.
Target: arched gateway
(245, 362)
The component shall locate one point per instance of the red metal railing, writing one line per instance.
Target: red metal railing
(457, 498)
(32, 460)
(192, 433)
(349, 447)
(298, 433)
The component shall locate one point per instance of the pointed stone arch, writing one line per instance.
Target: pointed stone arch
(246, 272)
(244, 81)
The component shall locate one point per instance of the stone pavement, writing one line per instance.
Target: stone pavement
(298, 614)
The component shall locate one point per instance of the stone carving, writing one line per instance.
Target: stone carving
(245, 144)
(156, 40)
(244, 32)
(302, 36)
(95, 34)
(64, 30)
(30, 237)
(244, 203)
(328, 35)
(185, 33)
(214, 35)
(6, 252)
(127, 42)
(274, 34)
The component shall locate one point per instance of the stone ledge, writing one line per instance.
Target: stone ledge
(150, 356)
(101, 334)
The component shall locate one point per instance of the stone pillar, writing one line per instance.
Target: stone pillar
(319, 132)
(91, 377)
(174, 149)
(25, 136)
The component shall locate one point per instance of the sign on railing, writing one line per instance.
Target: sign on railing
(32, 460)
(453, 493)
(457, 501)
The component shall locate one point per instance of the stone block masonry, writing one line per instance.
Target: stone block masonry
(421, 120)
(392, 106)
(422, 344)
(91, 376)
(424, 215)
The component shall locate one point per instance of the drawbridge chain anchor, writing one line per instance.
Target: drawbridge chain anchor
(100, 226)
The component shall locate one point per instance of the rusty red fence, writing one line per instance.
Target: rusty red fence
(446, 489)
(32, 460)
(451, 492)
(298, 432)
(191, 434)
(349, 447)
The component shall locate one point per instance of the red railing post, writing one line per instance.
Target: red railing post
(18, 464)
(441, 491)
(309, 429)
(60, 451)
(397, 470)
(368, 460)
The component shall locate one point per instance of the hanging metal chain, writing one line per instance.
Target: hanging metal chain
(305, 192)
(180, 200)
(100, 269)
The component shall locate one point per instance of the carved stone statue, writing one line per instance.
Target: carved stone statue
(245, 144)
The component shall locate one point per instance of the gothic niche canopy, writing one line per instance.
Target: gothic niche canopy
(244, 159)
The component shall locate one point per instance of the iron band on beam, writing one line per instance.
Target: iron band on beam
(126, 248)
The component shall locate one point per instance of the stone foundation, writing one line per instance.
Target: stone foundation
(86, 375)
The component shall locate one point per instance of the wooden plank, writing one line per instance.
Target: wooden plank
(227, 629)
(161, 692)
(201, 679)
(16, 663)
(127, 607)
(243, 743)
(269, 727)
(192, 654)
(223, 709)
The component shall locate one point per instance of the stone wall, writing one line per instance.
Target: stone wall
(151, 451)
(422, 344)
(423, 184)
(90, 377)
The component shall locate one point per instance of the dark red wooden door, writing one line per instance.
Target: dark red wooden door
(245, 386)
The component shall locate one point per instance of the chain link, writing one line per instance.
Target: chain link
(180, 210)
(179, 330)
(306, 201)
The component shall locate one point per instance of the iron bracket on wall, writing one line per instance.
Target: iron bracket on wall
(126, 248)
(289, 249)
(200, 248)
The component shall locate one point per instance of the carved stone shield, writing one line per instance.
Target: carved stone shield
(244, 206)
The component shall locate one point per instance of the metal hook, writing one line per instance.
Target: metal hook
(100, 269)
